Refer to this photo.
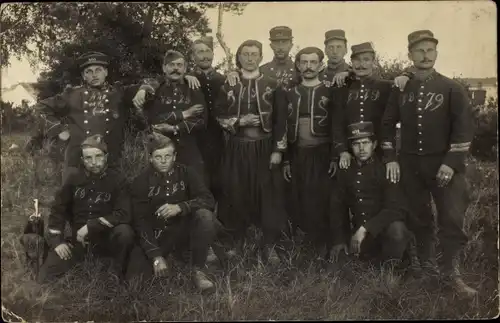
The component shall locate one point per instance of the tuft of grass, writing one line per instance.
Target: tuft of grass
(248, 290)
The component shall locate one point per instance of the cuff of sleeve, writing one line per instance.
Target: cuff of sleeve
(179, 116)
(148, 88)
(153, 253)
(54, 238)
(185, 208)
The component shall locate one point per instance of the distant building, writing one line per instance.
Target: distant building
(20, 95)
(480, 89)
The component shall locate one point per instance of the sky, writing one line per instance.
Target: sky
(466, 31)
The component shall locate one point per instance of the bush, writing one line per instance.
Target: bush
(485, 143)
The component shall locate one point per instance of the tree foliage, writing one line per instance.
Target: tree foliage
(135, 35)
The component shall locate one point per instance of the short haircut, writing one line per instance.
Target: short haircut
(247, 43)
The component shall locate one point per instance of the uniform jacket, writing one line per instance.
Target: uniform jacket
(271, 106)
(359, 100)
(86, 199)
(327, 74)
(318, 101)
(284, 74)
(87, 111)
(373, 200)
(169, 101)
(150, 190)
(436, 118)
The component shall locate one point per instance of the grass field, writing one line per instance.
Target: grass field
(248, 292)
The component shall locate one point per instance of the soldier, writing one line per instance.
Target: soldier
(172, 208)
(95, 108)
(211, 139)
(378, 206)
(362, 99)
(281, 68)
(436, 133)
(176, 110)
(94, 201)
(335, 49)
(255, 123)
(308, 161)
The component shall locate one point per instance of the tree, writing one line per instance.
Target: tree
(135, 35)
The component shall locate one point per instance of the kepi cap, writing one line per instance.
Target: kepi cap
(280, 33)
(207, 40)
(360, 130)
(172, 55)
(95, 141)
(335, 34)
(158, 141)
(420, 35)
(362, 48)
(92, 58)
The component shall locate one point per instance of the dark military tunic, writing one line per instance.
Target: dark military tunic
(284, 74)
(166, 106)
(373, 200)
(359, 101)
(150, 190)
(88, 111)
(83, 199)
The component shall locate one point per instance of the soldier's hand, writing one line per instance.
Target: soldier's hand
(163, 127)
(233, 78)
(247, 120)
(254, 120)
(172, 210)
(332, 169)
(64, 251)
(392, 172)
(193, 111)
(357, 239)
(192, 81)
(275, 159)
(139, 99)
(64, 135)
(340, 78)
(81, 234)
(335, 251)
(345, 160)
(287, 172)
(444, 175)
(160, 267)
(400, 82)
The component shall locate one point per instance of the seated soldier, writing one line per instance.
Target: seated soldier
(378, 207)
(172, 209)
(94, 202)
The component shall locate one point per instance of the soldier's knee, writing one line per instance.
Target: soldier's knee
(124, 234)
(206, 219)
(397, 231)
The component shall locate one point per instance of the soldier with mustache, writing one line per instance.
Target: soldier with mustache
(309, 163)
(363, 99)
(436, 134)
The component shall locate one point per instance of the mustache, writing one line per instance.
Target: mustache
(309, 70)
(175, 73)
(425, 60)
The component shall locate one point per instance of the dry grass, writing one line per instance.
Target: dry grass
(249, 291)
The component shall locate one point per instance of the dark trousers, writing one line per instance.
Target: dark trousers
(211, 144)
(390, 244)
(192, 233)
(308, 193)
(252, 194)
(116, 241)
(418, 177)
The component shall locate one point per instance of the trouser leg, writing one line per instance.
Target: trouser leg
(139, 265)
(120, 241)
(54, 267)
(451, 202)
(422, 221)
(395, 240)
(203, 230)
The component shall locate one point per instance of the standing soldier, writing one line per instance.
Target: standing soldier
(177, 111)
(436, 133)
(255, 123)
(172, 209)
(378, 206)
(281, 68)
(94, 200)
(362, 99)
(335, 49)
(211, 139)
(95, 108)
(308, 161)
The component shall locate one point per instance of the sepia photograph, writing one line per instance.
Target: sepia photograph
(249, 161)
